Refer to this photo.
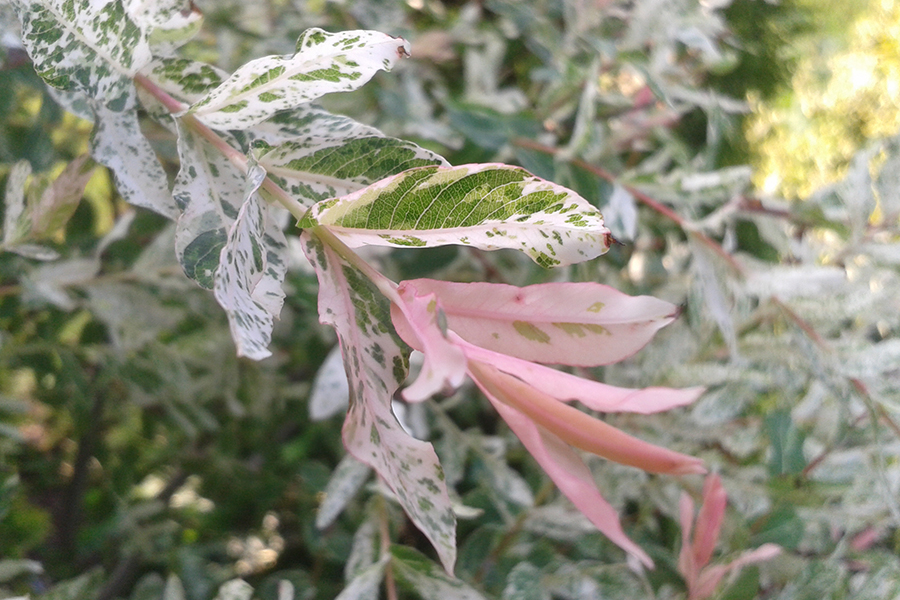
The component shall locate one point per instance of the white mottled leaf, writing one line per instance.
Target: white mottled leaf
(236, 589)
(250, 273)
(365, 585)
(184, 79)
(621, 214)
(346, 480)
(210, 191)
(377, 363)
(487, 206)
(324, 62)
(93, 47)
(118, 144)
(330, 393)
(167, 23)
(329, 164)
(309, 121)
(14, 200)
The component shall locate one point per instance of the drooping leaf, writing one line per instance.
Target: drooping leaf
(377, 363)
(584, 324)
(324, 63)
(93, 47)
(487, 206)
(328, 164)
(118, 143)
(570, 474)
(251, 271)
(209, 191)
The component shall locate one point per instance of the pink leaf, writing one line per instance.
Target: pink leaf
(444, 368)
(579, 429)
(569, 473)
(593, 394)
(583, 324)
(709, 521)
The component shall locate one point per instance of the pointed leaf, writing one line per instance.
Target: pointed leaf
(593, 394)
(93, 47)
(570, 475)
(118, 144)
(583, 324)
(324, 63)
(250, 273)
(329, 164)
(377, 363)
(486, 206)
(210, 191)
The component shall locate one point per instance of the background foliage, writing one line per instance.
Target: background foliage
(142, 459)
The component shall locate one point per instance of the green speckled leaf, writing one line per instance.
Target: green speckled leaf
(327, 165)
(209, 191)
(184, 79)
(93, 47)
(376, 362)
(118, 143)
(248, 282)
(324, 63)
(487, 206)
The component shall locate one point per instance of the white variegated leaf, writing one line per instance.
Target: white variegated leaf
(376, 362)
(167, 23)
(328, 164)
(330, 394)
(210, 191)
(14, 199)
(93, 47)
(346, 480)
(184, 79)
(117, 143)
(250, 273)
(324, 63)
(486, 206)
(309, 121)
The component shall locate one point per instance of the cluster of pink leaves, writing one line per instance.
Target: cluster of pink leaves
(499, 334)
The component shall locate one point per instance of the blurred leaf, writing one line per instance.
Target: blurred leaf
(429, 581)
(787, 444)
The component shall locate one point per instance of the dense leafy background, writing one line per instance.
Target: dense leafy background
(135, 447)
